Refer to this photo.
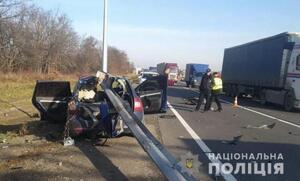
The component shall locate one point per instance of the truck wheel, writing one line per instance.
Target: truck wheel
(187, 84)
(289, 101)
(193, 85)
(227, 89)
(227, 93)
(262, 97)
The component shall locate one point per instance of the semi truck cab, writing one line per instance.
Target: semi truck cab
(293, 73)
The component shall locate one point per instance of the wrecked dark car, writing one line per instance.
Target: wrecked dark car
(87, 110)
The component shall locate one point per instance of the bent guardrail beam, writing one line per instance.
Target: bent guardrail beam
(167, 164)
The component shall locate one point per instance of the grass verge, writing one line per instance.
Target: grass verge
(18, 88)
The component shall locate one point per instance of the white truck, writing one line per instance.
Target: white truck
(268, 69)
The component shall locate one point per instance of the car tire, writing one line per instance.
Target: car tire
(289, 101)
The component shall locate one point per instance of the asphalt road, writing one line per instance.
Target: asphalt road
(211, 131)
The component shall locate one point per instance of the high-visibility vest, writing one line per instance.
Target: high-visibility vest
(218, 84)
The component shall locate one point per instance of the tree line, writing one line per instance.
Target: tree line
(33, 39)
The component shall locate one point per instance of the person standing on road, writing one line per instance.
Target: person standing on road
(217, 86)
(205, 90)
(163, 79)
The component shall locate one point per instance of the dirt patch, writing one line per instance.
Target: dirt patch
(33, 151)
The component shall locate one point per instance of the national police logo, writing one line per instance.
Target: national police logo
(189, 163)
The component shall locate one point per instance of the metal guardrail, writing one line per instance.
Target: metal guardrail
(167, 164)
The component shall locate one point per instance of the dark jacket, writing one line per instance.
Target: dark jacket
(163, 81)
(205, 83)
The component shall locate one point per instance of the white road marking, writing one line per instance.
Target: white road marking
(260, 113)
(263, 114)
(201, 144)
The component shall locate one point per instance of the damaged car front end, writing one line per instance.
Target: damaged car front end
(86, 110)
(97, 104)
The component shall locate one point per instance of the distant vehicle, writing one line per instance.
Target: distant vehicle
(194, 73)
(146, 75)
(88, 109)
(138, 71)
(268, 69)
(153, 69)
(173, 75)
(181, 74)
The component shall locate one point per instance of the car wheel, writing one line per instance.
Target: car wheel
(289, 101)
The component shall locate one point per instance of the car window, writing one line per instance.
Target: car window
(147, 76)
(198, 74)
(298, 63)
(149, 85)
(119, 86)
(115, 84)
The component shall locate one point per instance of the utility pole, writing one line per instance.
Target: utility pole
(104, 47)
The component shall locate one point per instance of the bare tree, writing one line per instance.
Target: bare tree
(88, 57)
(9, 9)
(43, 41)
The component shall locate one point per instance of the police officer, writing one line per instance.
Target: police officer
(205, 90)
(217, 86)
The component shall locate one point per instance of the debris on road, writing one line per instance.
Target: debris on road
(23, 130)
(295, 134)
(235, 140)
(265, 126)
(191, 101)
(68, 141)
(168, 116)
(2, 138)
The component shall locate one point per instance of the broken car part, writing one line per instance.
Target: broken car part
(158, 153)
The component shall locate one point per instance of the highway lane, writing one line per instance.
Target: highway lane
(217, 129)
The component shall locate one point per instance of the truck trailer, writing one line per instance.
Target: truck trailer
(267, 69)
(194, 73)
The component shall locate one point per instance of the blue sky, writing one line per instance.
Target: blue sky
(182, 31)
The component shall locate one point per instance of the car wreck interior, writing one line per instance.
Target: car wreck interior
(87, 110)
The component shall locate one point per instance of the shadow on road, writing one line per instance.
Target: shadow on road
(54, 133)
(105, 167)
(248, 102)
(179, 92)
(185, 93)
(183, 107)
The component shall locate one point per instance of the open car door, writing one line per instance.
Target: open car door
(51, 99)
(151, 94)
